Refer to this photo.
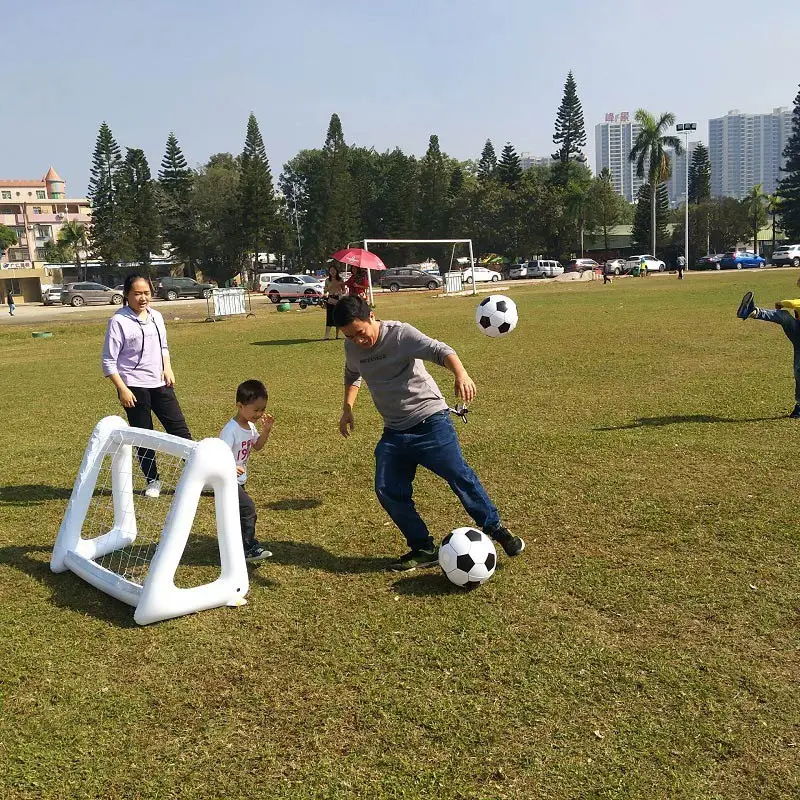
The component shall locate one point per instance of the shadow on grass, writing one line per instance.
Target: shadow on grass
(294, 504)
(284, 341)
(312, 556)
(67, 590)
(32, 494)
(425, 584)
(660, 422)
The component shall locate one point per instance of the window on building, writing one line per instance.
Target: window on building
(40, 194)
(44, 231)
(18, 254)
(37, 209)
(6, 195)
(40, 254)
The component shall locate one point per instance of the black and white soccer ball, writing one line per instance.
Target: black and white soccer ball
(467, 556)
(496, 315)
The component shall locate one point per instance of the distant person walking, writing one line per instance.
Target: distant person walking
(12, 306)
(681, 266)
(334, 290)
(642, 267)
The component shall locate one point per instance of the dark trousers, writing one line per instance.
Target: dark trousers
(432, 444)
(163, 403)
(680, 273)
(791, 327)
(248, 516)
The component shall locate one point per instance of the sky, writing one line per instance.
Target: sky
(394, 71)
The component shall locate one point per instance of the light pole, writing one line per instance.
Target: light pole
(684, 128)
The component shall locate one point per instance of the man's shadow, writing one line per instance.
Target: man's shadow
(660, 422)
(32, 494)
(312, 556)
(272, 342)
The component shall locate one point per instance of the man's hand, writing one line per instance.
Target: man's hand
(465, 387)
(347, 423)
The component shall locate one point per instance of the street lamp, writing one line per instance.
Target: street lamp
(684, 128)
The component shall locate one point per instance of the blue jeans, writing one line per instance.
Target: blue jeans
(791, 327)
(432, 444)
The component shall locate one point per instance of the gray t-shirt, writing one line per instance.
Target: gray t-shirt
(402, 389)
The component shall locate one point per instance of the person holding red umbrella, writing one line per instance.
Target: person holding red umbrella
(361, 261)
(357, 283)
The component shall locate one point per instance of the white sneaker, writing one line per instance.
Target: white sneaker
(153, 489)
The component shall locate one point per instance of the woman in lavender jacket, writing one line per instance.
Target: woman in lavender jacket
(136, 360)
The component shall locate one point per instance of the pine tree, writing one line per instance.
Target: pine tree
(106, 236)
(699, 175)
(509, 169)
(456, 182)
(433, 185)
(488, 163)
(176, 181)
(789, 187)
(338, 224)
(257, 204)
(570, 134)
(138, 211)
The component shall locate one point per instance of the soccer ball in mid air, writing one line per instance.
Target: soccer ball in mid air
(467, 557)
(496, 315)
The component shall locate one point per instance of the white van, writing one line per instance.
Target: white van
(265, 278)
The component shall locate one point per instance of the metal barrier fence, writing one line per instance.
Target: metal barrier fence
(228, 303)
(453, 282)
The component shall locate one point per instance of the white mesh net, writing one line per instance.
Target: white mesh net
(147, 515)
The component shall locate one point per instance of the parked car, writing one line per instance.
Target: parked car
(652, 264)
(710, 261)
(173, 288)
(409, 277)
(82, 294)
(292, 287)
(616, 266)
(581, 265)
(544, 268)
(517, 271)
(740, 259)
(265, 278)
(52, 295)
(482, 275)
(787, 254)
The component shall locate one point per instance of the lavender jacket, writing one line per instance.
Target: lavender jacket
(135, 350)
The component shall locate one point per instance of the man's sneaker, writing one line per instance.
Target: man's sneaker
(747, 306)
(512, 545)
(256, 553)
(795, 412)
(153, 489)
(416, 558)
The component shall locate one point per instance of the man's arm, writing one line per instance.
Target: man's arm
(465, 387)
(352, 383)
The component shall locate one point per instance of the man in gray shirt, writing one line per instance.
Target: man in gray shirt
(418, 429)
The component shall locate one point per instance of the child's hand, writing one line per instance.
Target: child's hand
(779, 305)
(267, 421)
(239, 470)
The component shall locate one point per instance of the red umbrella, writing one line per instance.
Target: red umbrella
(356, 257)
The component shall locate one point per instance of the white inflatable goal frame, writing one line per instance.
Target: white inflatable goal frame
(208, 463)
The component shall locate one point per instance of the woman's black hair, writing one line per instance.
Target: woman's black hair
(350, 308)
(335, 268)
(128, 285)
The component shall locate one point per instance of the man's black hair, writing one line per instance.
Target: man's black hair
(250, 391)
(350, 308)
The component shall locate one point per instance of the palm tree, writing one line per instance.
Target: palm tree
(755, 203)
(773, 209)
(72, 237)
(649, 153)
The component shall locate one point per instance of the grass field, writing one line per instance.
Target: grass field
(644, 646)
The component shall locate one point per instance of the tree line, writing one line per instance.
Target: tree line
(215, 218)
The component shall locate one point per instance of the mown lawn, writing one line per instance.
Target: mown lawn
(644, 646)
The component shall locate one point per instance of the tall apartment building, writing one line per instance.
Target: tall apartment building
(747, 149)
(676, 185)
(35, 210)
(528, 160)
(613, 141)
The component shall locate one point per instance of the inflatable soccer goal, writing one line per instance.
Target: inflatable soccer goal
(130, 544)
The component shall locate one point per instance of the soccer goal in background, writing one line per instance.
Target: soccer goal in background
(131, 546)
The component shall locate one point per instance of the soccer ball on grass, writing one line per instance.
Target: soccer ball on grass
(467, 557)
(496, 315)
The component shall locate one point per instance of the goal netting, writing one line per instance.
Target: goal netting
(167, 555)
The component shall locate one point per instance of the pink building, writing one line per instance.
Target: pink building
(35, 210)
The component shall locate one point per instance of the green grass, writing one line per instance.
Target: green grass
(644, 646)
